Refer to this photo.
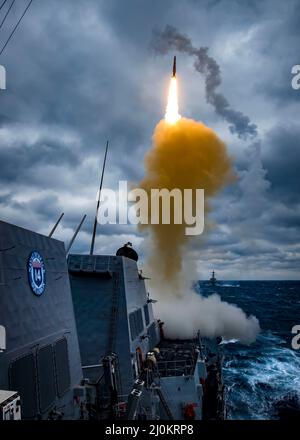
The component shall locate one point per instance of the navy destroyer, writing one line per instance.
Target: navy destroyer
(80, 339)
(213, 279)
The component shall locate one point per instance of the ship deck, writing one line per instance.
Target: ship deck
(177, 357)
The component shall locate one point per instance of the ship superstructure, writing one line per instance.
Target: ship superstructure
(41, 360)
(114, 317)
(136, 371)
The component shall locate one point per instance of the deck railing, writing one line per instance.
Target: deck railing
(176, 367)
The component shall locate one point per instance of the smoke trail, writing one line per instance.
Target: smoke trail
(170, 38)
(187, 155)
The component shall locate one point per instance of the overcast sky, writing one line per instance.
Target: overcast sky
(81, 71)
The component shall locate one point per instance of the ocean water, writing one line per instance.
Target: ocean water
(265, 375)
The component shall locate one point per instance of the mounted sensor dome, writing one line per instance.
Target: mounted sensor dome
(127, 251)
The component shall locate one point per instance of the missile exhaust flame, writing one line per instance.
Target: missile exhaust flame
(172, 115)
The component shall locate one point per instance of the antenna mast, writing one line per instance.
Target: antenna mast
(98, 203)
(75, 234)
(56, 224)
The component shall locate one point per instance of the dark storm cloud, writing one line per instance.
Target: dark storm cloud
(259, 225)
(282, 162)
(3, 119)
(5, 198)
(76, 78)
(281, 54)
(19, 161)
(45, 207)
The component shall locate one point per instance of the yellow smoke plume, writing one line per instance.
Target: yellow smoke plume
(184, 155)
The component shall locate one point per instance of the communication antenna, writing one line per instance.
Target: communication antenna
(75, 234)
(55, 226)
(98, 203)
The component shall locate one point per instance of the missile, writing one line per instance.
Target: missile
(174, 67)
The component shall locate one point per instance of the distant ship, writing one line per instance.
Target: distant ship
(213, 279)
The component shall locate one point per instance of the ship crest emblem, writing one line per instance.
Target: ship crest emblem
(36, 273)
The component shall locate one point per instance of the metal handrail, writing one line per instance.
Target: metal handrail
(87, 367)
(168, 366)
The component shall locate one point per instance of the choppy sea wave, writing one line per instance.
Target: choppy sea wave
(265, 376)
